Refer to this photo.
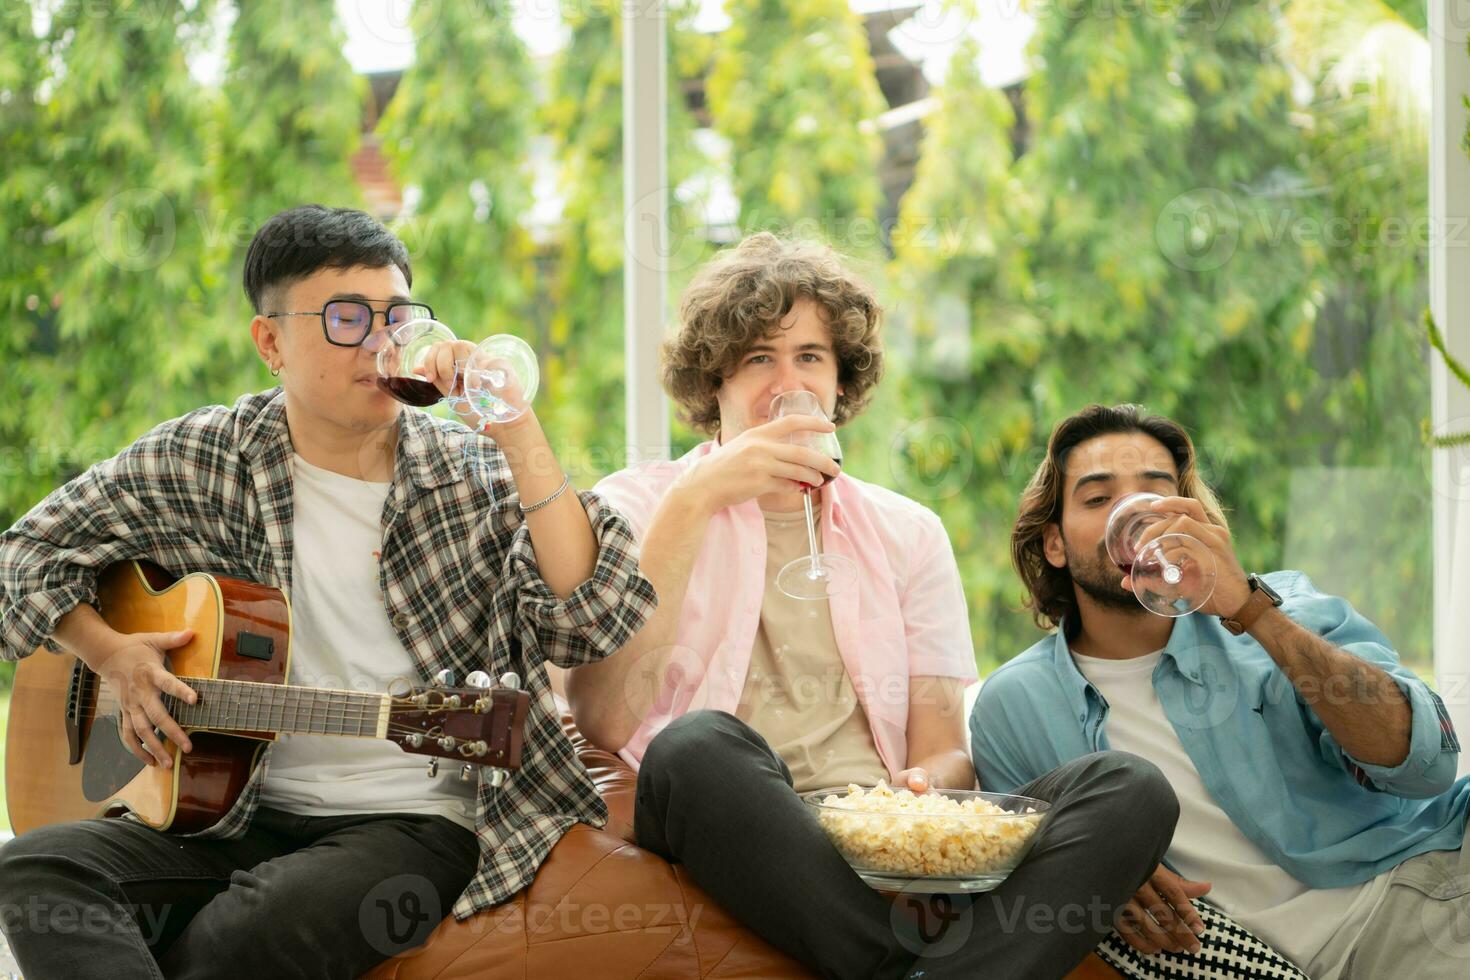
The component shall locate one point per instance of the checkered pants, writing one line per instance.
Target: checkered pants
(1228, 952)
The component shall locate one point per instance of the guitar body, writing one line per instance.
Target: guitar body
(65, 761)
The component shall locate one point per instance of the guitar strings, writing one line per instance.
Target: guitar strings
(360, 711)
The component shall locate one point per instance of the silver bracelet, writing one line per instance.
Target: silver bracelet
(566, 481)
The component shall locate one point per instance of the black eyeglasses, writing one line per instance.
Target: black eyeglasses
(348, 322)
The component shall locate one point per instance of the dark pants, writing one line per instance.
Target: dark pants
(294, 897)
(713, 795)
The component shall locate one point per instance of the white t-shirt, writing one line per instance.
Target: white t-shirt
(1316, 928)
(341, 638)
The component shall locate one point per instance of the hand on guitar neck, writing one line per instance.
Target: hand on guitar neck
(133, 666)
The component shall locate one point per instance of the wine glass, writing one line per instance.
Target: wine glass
(498, 380)
(399, 360)
(817, 575)
(1174, 574)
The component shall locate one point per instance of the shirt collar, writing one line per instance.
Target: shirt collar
(1074, 685)
(1183, 648)
(426, 454)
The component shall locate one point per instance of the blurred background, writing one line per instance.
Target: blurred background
(1216, 208)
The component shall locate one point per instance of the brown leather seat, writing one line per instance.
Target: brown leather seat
(603, 907)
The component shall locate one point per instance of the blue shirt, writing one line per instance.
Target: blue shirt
(1326, 818)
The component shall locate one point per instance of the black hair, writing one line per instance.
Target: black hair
(299, 241)
(1049, 591)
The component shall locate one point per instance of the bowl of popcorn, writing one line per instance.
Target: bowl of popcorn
(941, 841)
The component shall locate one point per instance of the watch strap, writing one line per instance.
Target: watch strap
(1247, 615)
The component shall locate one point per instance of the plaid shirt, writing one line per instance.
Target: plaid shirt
(212, 492)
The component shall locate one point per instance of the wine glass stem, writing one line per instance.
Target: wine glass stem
(811, 531)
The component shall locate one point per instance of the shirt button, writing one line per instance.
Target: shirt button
(400, 621)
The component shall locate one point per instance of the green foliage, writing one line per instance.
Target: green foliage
(583, 359)
(24, 216)
(121, 328)
(1458, 371)
(1166, 221)
(457, 132)
(289, 114)
(793, 90)
(1166, 238)
(286, 121)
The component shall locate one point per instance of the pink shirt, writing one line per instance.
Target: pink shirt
(906, 617)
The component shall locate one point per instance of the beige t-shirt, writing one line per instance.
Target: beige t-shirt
(797, 693)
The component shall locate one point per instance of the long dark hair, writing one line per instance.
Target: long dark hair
(1050, 593)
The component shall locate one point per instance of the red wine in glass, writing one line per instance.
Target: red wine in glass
(814, 576)
(411, 391)
(808, 488)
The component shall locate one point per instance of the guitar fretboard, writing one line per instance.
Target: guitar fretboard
(255, 707)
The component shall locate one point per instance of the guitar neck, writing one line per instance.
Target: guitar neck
(248, 706)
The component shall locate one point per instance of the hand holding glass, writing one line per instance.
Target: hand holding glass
(495, 383)
(1174, 574)
(818, 575)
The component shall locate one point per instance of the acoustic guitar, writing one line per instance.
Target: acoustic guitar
(65, 760)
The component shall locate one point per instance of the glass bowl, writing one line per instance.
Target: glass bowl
(941, 841)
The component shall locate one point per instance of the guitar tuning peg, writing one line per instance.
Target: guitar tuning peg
(511, 680)
(498, 777)
(477, 678)
(466, 772)
(433, 768)
(444, 678)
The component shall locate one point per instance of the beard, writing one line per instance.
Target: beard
(1097, 576)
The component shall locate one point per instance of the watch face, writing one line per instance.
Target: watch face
(1259, 583)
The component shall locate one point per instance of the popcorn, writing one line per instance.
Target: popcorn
(928, 835)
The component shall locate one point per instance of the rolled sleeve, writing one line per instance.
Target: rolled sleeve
(27, 626)
(122, 508)
(1429, 767)
(1434, 749)
(935, 618)
(603, 612)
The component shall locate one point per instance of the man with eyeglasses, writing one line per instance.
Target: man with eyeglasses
(408, 545)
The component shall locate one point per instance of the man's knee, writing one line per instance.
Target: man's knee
(1138, 784)
(41, 854)
(694, 742)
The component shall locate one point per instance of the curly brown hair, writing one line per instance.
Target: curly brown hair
(740, 298)
(1049, 590)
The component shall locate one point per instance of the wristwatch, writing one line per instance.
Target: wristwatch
(1263, 597)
